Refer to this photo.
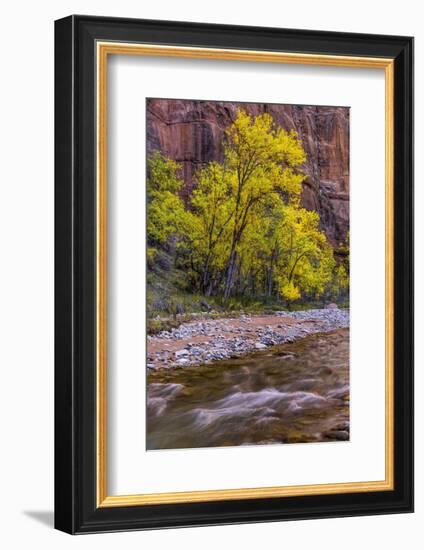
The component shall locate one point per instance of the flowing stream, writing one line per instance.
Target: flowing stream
(291, 393)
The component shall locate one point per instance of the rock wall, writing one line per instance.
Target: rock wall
(191, 132)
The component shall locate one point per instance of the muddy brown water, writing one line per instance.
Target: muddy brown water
(291, 393)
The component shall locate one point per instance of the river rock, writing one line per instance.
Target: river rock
(181, 353)
(259, 345)
(226, 339)
(204, 305)
(286, 355)
(344, 426)
(338, 435)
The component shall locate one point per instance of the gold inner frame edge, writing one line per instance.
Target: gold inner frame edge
(103, 49)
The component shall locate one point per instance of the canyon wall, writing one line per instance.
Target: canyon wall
(191, 133)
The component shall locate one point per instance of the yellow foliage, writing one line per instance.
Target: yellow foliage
(165, 210)
(290, 292)
(244, 229)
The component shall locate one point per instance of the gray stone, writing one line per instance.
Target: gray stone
(181, 353)
(338, 435)
(259, 345)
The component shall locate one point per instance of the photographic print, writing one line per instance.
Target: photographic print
(205, 296)
(247, 273)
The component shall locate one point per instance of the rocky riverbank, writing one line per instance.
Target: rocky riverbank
(205, 341)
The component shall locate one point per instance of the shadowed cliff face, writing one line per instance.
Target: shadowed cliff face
(191, 133)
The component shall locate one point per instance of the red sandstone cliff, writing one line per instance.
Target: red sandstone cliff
(191, 132)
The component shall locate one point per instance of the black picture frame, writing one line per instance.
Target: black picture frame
(76, 510)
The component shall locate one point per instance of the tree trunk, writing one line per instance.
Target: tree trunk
(270, 280)
(230, 273)
(206, 278)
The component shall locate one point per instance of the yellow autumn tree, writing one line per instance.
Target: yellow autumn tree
(212, 214)
(244, 231)
(261, 164)
(166, 214)
(306, 261)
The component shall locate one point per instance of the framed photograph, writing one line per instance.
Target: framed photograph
(234, 269)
